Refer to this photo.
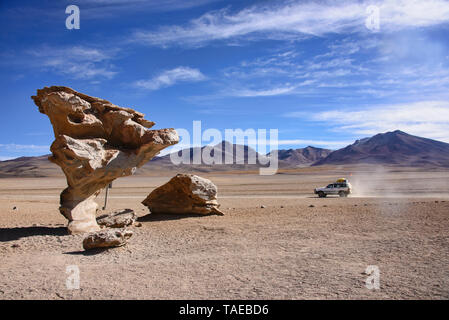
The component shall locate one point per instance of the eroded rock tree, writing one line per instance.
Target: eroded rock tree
(96, 142)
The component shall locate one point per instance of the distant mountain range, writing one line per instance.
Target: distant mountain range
(391, 148)
(240, 160)
(29, 167)
(233, 157)
(302, 157)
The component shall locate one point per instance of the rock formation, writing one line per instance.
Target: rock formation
(96, 142)
(184, 194)
(107, 238)
(117, 219)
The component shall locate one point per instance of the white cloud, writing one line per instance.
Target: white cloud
(336, 67)
(305, 76)
(99, 9)
(350, 68)
(12, 150)
(424, 118)
(76, 62)
(23, 147)
(170, 77)
(263, 93)
(413, 13)
(294, 20)
(274, 90)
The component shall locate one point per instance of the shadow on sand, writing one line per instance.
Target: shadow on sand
(11, 234)
(167, 216)
(90, 252)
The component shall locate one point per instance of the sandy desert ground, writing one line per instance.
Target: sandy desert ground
(297, 247)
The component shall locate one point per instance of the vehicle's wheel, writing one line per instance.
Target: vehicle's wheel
(342, 194)
(321, 194)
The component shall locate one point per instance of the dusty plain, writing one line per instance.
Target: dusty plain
(297, 247)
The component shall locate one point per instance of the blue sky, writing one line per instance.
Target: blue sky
(311, 69)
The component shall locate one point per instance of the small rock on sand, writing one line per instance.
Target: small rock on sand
(117, 219)
(106, 238)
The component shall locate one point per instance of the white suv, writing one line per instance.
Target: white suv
(341, 187)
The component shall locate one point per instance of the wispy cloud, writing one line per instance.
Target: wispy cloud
(295, 20)
(77, 62)
(288, 73)
(102, 9)
(262, 93)
(21, 147)
(412, 65)
(424, 118)
(109, 8)
(12, 150)
(170, 77)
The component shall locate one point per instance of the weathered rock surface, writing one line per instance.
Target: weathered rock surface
(184, 194)
(96, 142)
(107, 238)
(117, 219)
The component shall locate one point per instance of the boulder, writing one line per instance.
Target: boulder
(95, 143)
(184, 194)
(106, 238)
(117, 219)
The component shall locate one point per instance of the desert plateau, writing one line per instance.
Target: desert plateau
(277, 240)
